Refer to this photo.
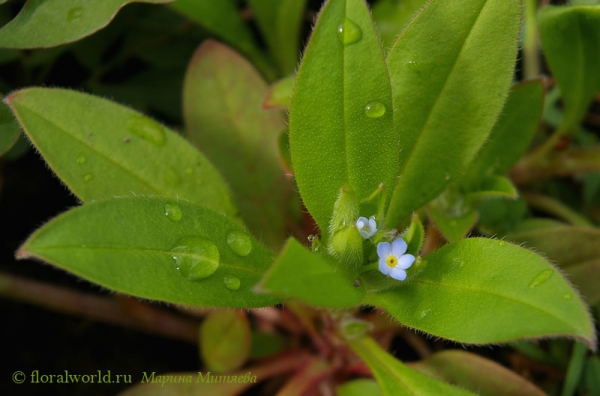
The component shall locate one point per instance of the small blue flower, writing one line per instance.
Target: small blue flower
(366, 227)
(392, 260)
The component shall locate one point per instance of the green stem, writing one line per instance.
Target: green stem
(556, 208)
(575, 369)
(531, 60)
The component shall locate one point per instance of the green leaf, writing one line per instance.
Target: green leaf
(468, 290)
(99, 149)
(476, 374)
(304, 275)
(493, 187)
(392, 16)
(448, 92)
(266, 344)
(571, 40)
(225, 20)
(9, 129)
(394, 377)
(137, 244)
(414, 236)
(359, 387)
(341, 126)
(511, 135)
(45, 24)
(452, 213)
(279, 94)
(453, 227)
(567, 245)
(225, 340)
(575, 249)
(280, 22)
(591, 376)
(222, 96)
(500, 216)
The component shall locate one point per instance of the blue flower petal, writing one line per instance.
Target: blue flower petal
(405, 261)
(383, 250)
(383, 267)
(398, 273)
(399, 247)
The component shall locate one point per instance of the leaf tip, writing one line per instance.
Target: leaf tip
(22, 254)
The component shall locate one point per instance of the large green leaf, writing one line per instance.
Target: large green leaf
(571, 40)
(341, 126)
(223, 114)
(9, 129)
(394, 377)
(225, 20)
(476, 374)
(43, 23)
(99, 148)
(280, 22)
(156, 248)
(469, 290)
(575, 249)
(450, 70)
(511, 135)
(304, 275)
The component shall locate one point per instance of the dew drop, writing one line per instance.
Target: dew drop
(374, 109)
(74, 14)
(502, 243)
(81, 159)
(240, 243)
(566, 296)
(173, 212)
(232, 282)
(349, 32)
(171, 177)
(87, 177)
(541, 278)
(147, 129)
(196, 257)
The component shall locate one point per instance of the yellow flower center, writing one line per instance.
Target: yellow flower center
(391, 261)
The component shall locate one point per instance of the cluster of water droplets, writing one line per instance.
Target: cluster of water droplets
(197, 258)
(350, 33)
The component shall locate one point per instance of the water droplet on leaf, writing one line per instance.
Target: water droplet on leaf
(196, 257)
(240, 243)
(349, 32)
(232, 282)
(374, 109)
(147, 129)
(87, 177)
(502, 243)
(74, 14)
(541, 278)
(173, 212)
(81, 159)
